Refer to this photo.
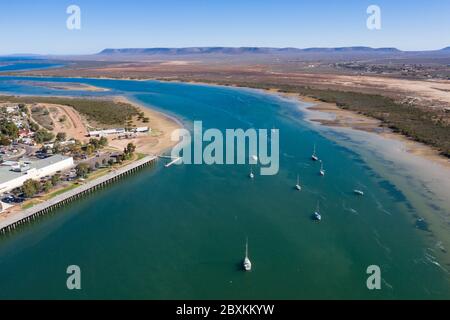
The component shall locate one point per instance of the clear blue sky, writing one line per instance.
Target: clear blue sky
(28, 26)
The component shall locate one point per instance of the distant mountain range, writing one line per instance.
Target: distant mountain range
(249, 50)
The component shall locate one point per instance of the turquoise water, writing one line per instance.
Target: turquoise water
(21, 64)
(179, 233)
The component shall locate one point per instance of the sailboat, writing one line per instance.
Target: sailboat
(298, 186)
(314, 156)
(247, 264)
(251, 175)
(317, 215)
(322, 171)
(358, 192)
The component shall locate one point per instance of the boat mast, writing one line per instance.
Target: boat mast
(246, 248)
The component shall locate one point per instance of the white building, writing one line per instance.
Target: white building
(12, 177)
(106, 132)
(142, 129)
(12, 109)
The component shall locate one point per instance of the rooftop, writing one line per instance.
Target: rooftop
(6, 174)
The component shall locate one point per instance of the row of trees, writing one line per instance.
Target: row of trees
(42, 135)
(9, 129)
(32, 187)
(4, 140)
(77, 147)
(83, 169)
(143, 118)
(129, 151)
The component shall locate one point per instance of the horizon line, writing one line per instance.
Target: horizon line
(224, 47)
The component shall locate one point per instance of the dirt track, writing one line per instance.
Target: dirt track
(73, 125)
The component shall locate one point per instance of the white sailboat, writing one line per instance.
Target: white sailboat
(247, 263)
(314, 156)
(322, 171)
(358, 192)
(298, 186)
(251, 175)
(317, 215)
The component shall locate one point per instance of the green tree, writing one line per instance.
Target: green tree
(4, 140)
(47, 186)
(55, 179)
(61, 136)
(103, 141)
(90, 149)
(34, 126)
(95, 143)
(43, 135)
(30, 188)
(23, 108)
(57, 147)
(131, 148)
(9, 129)
(82, 170)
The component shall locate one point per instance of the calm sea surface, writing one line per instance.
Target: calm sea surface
(22, 64)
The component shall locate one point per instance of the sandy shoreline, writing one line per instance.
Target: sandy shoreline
(328, 114)
(162, 126)
(65, 86)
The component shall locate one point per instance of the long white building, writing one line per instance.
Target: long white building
(12, 177)
(106, 132)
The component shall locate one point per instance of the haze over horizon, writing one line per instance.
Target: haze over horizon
(41, 29)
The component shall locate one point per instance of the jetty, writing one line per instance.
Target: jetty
(174, 160)
(12, 222)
